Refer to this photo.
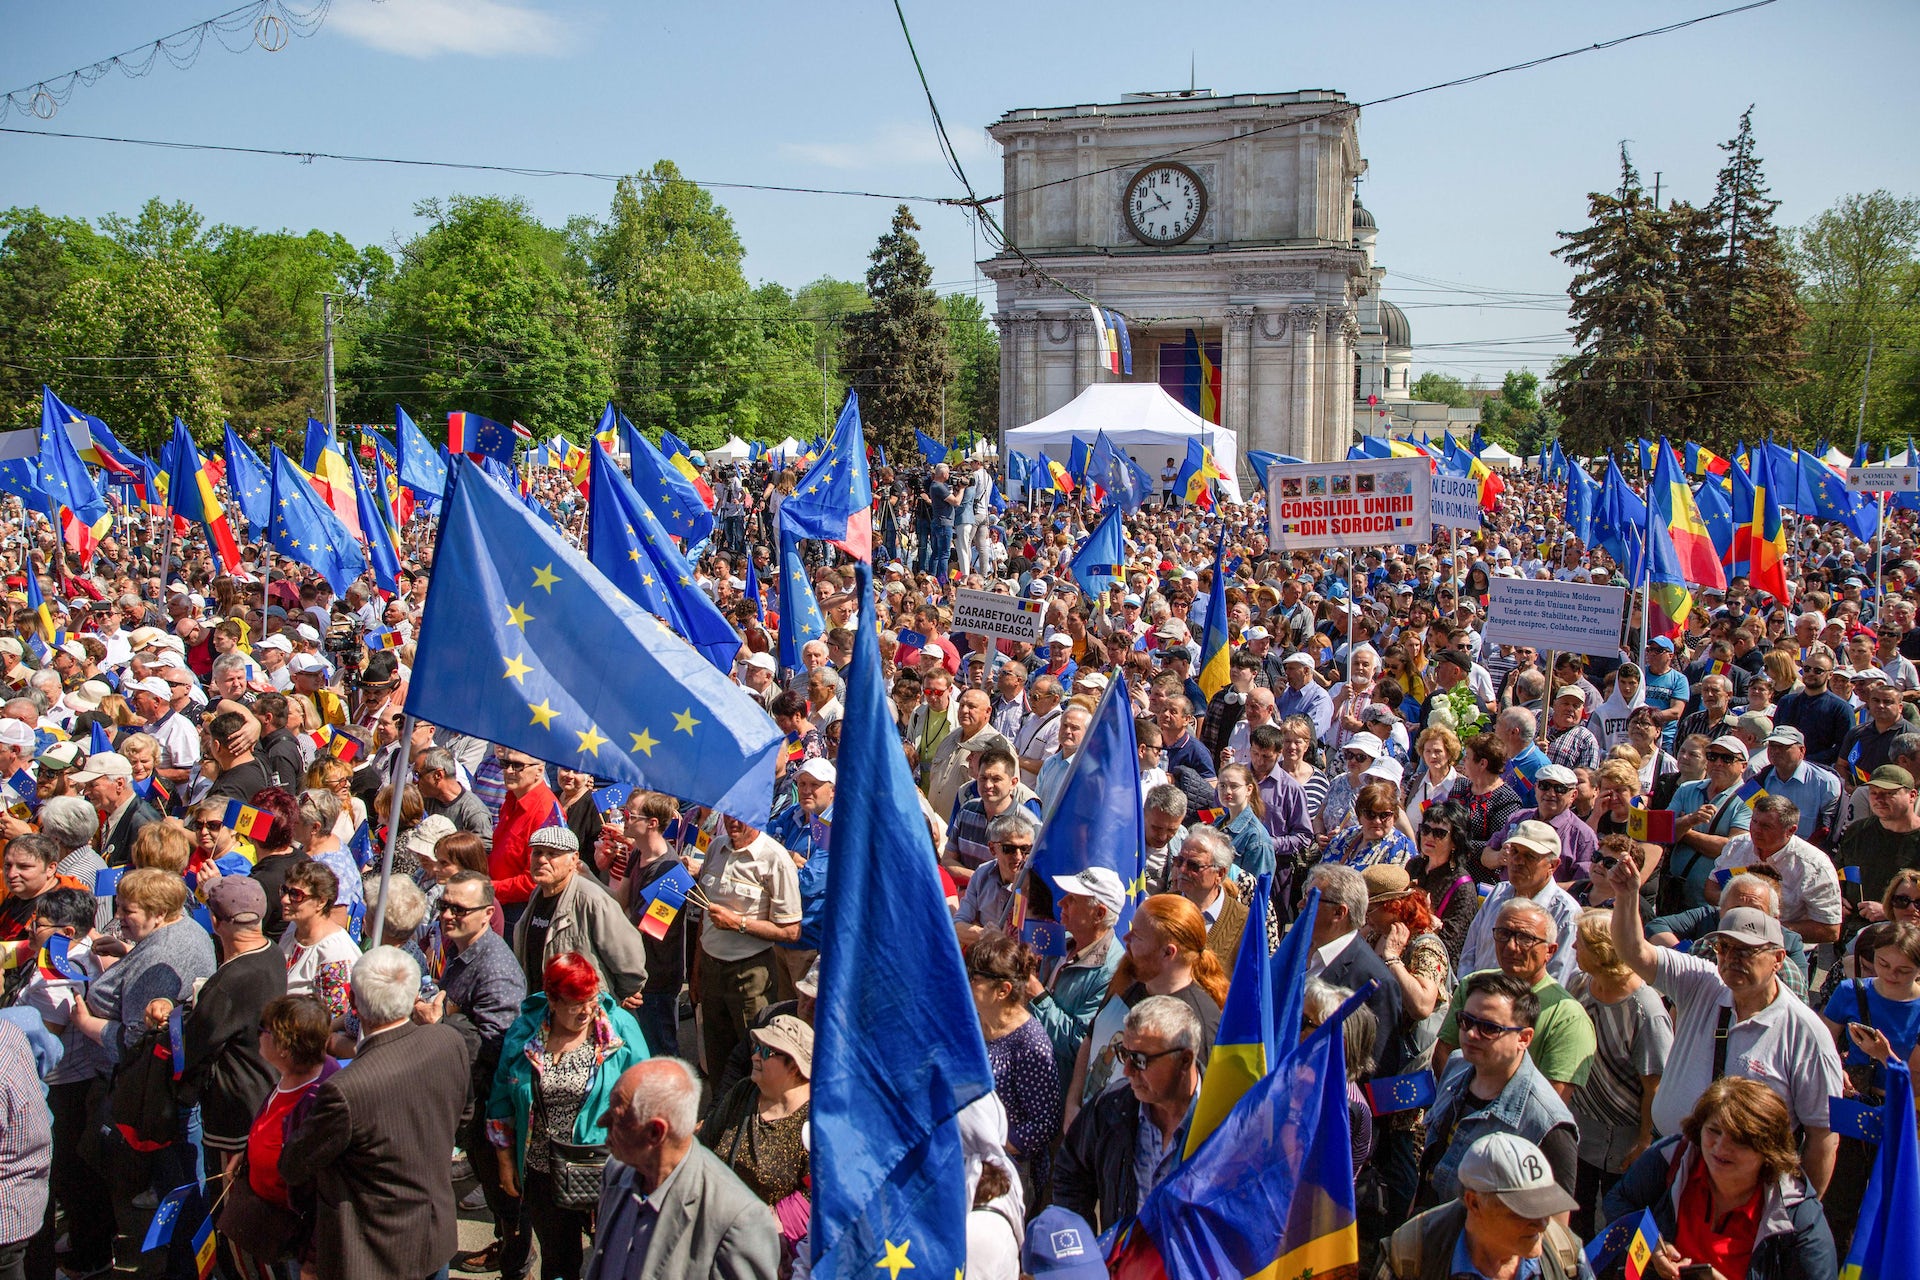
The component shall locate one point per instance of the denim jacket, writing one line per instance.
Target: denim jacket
(1528, 1106)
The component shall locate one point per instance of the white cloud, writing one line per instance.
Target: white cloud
(894, 144)
(429, 28)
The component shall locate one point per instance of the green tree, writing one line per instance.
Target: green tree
(973, 397)
(1516, 418)
(896, 354)
(490, 311)
(1440, 388)
(1860, 280)
(150, 339)
(1630, 372)
(40, 256)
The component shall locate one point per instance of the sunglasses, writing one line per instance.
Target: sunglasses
(295, 896)
(1557, 788)
(1721, 757)
(1193, 867)
(1020, 849)
(1438, 833)
(1135, 1060)
(208, 826)
(1468, 1023)
(1375, 815)
(1902, 902)
(516, 766)
(457, 911)
(1606, 864)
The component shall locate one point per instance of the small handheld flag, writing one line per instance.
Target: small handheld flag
(1046, 937)
(1655, 826)
(254, 824)
(1401, 1093)
(160, 1230)
(385, 640)
(1852, 1118)
(205, 1247)
(1646, 1238)
(54, 965)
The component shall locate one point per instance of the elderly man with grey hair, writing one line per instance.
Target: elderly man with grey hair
(668, 1206)
(437, 773)
(373, 1149)
(72, 823)
(1164, 810)
(1202, 873)
(1122, 1144)
(988, 901)
(1341, 957)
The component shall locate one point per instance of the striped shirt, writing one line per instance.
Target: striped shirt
(26, 1138)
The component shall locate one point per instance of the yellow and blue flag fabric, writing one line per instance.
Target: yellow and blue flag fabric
(894, 1062)
(669, 494)
(102, 448)
(325, 463)
(376, 523)
(800, 617)
(247, 480)
(66, 483)
(1197, 471)
(479, 437)
(1270, 1193)
(1118, 474)
(628, 544)
(190, 489)
(305, 529)
(1766, 534)
(518, 655)
(1243, 1042)
(1101, 559)
(1716, 513)
(1669, 588)
(1215, 657)
(1672, 501)
(1096, 819)
(932, 450)
(833, 501)
(1620, 524)
(1886, 1237)
(420, 466)
(45, 637)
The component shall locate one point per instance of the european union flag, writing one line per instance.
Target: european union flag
(1832, 500)
(894, 1062)
(1097, 564)
(834, 499)
(1113, 471)
(305, 529)
(1096, 820)
(172, 1205)
(479, 437)
(1271, 1191)
(1851, 1118)
(383, 545)
(519, 654)
(1583, 496)
(626, 542)
(1886, 1238)
(421, 468)
(247, 480)
(1079, 453)
(63, 477)
(1716, 513)
(1620, 524)
(752, 592)
(319, 440)
(932, 450)
(672, 497)
(1401, 1093)
(800, 618)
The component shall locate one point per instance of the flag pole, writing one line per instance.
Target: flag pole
(397, 783)
(1880, 562)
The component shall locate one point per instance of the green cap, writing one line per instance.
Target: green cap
(1891, 777)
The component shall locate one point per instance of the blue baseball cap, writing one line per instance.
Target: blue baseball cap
(1062, 1243)
(1661, 642)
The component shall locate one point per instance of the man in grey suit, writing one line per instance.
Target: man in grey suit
(668, 1207)
(375, 1149)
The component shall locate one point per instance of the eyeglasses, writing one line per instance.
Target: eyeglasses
(515, 766)
(980, 975)
(457, 911)
(208, 826)
(1021, 850)
(1481, 1027)
(1376, 815)
(1192, 867)
(1135, 1060)
(1508, 937)
(295, 896)
(1606, 864)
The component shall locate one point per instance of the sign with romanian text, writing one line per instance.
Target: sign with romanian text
(1363, 502)
(1570, 617)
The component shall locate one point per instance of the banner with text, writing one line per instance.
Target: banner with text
(1456, 502)
(1571, 617)
(1363, 502)
(986, 613)
(1884, 479)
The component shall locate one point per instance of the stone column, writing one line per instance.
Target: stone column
(1024, 341)
(1009, 362)
(1236, 374)
(1301, 437)
(1336, 382)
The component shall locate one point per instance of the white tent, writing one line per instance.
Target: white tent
(734, 450)
(1494, 456)
(788, 448)
(1835, 458)
(1141, 418)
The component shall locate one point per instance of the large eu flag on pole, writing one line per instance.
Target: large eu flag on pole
(247, 480)
(304, 528)
(1096, 819)
(894, 1061)
(421, 469)
(1097, 564)
(834, 500)
(534, 648)
(626, 542)
(1886, 1237)
(662, 487)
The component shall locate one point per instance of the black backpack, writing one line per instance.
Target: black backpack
(141, 1108)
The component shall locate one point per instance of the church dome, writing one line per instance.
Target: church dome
(1393, 324)
(1362, 220)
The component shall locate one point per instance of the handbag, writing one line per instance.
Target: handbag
(266, 1231)
(576, 1168)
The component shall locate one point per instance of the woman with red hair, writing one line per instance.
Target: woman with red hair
(557, 1069)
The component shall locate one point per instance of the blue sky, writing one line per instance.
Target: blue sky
(1469, 185)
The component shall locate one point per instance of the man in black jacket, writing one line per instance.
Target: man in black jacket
(107, 780)
(277, 748)
(1141, 1125)
(224, 1071)
(1342, 958)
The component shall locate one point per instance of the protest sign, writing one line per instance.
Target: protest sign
(1456, 502)
(1571, 617)
(1363, 502)
(1884, 479)
(985, 613)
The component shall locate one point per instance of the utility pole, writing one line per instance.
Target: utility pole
(1866, 379)
(326, 336)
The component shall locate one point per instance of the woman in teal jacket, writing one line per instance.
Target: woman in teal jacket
(557, 1071)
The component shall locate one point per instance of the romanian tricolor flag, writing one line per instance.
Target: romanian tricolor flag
(190, 489)
(1669, 591)
(1766, 541)
(1490, 481)
(247, 821)
(1408, 449)
(343, 746)
(1674, 508)
(1197, 474)
(1214, 655)
(1057, 472)
(54, 964)
(325, 464)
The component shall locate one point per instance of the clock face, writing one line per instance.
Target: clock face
(1164, 204)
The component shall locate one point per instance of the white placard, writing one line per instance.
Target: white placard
(1571, 617)
(988, 613)
(18, 445)
(1884, 479)
(1363, 502)
(1456, 502)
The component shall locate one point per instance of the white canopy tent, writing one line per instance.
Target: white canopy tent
(788, 448)
(734, 450)
(1139, 417)
(1835, 458)
(1498, 458)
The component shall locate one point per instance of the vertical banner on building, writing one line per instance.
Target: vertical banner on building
(1363, 502)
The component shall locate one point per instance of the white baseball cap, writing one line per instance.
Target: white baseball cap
(1101, 884)
(820, 769)
(308, 664)
(104, 764)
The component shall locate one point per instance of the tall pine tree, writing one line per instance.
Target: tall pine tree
(896, 354)
(1629, 376)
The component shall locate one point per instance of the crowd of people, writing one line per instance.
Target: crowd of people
(200, 770)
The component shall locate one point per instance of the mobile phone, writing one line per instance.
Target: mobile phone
(1697, 1271)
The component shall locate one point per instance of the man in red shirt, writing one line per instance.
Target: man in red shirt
(529, 805)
